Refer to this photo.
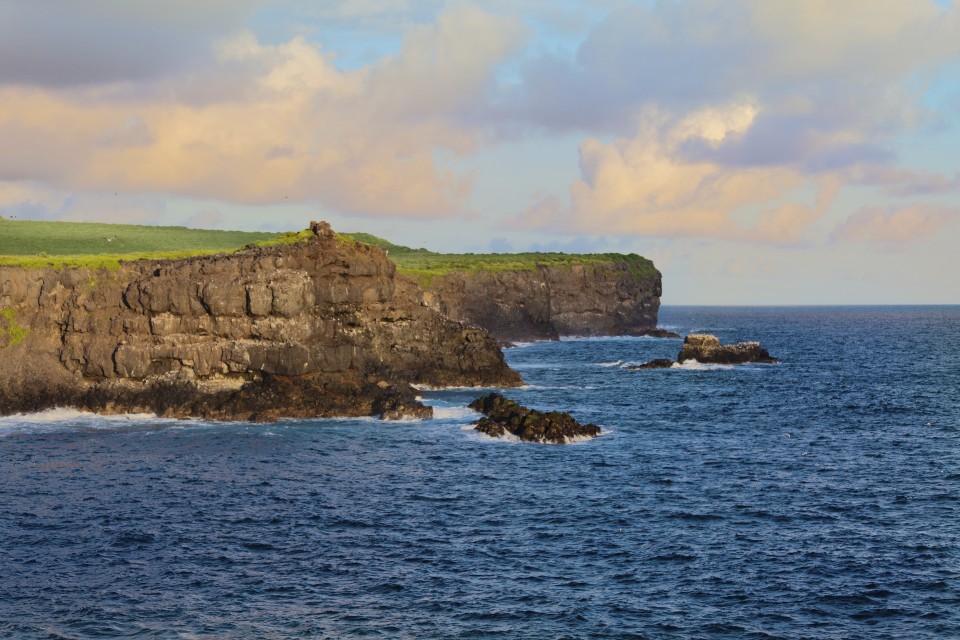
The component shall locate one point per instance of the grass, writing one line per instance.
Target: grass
(424, 265)
(8, 327)
(39, 244)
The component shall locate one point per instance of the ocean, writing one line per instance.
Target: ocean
(818, 498)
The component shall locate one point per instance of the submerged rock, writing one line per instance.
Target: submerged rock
(706, 348)
(503, 415)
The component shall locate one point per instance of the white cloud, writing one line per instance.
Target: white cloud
(292, 128)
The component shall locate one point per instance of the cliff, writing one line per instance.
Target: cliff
(318, 328)
(537, 296)
(550, 301)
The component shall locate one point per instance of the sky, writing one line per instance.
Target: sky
(759, 151)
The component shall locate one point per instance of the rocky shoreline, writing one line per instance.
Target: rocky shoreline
(323, 327)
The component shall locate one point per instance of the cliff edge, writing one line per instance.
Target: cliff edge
(536, 296)
(322, 327)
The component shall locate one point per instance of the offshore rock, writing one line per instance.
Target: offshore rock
(545, 303)
(706, 349)
(506, 416)
(323, 327)
(659, 363)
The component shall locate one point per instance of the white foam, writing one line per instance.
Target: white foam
(454, 413)
(427, 387)
(693, 365)
(63, 415)
(59, 419)
(615, 363)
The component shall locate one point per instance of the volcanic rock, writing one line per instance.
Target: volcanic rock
(503, 415)
(706, 349)
(323, 327)
(550, 301)
(659, 363)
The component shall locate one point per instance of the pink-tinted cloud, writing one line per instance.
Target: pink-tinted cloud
(895, 226)
(296, 128)
(645, 185)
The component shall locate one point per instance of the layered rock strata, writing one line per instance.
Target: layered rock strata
(319, 328)
(552, 301)
(502, 416)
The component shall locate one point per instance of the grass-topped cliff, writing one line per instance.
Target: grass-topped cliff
(423, 265)
(38, 244)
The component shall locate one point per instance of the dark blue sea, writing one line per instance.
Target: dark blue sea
(818, 498)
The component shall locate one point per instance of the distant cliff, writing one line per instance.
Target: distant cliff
(536, 296)
(317, 328)
(550, 301)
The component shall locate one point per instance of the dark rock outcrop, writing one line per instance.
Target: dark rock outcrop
(705, 348)
(548, 302)
(506, 416)
(659, 363)
(319, 328)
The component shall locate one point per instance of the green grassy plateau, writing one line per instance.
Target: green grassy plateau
(423, 265)
(32, 244)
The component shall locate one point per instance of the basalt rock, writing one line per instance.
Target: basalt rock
(549, 302)
(324, 327)
(706, 348)
(659, 363)
(503, 415)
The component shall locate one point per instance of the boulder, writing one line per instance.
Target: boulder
(706, 348)
(659, 363)
(502, 415)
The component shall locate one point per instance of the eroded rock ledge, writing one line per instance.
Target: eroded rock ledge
(319, 328)
(502, 415)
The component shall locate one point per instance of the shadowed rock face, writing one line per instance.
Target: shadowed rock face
(551, 301)
(506, 416)
(319, 328)
(707, 349)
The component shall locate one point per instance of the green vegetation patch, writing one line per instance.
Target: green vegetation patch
(38, 244)
(14, 333)
(424, 265)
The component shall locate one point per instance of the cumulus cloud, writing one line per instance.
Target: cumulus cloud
(743, 106)
(895, 226)
(295, 128)
(645, 185)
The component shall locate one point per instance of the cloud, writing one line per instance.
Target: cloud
(645, 185)
(895, 226)
(63, 43)
(289, 127)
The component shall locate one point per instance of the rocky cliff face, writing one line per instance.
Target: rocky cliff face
(320, 328)
(549, 302)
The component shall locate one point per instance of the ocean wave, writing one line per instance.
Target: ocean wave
(58, 419)
(454, 413)
(615, 363)
(693, 365)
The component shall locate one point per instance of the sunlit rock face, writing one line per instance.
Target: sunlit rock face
(319, 328)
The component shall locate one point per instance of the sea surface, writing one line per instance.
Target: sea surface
(817, 498)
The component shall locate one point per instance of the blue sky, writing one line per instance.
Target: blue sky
(760, 151)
